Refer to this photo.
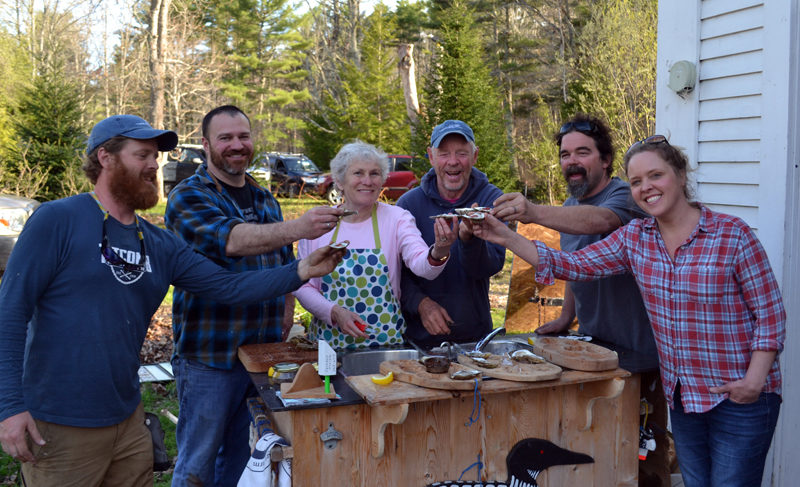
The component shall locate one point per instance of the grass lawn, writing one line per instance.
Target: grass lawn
(158, 397)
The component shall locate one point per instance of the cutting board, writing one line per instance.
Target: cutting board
(259, 357)
(413, 372)
(575, 354)
(508, 369)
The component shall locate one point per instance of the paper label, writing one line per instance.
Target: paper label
(326, 359)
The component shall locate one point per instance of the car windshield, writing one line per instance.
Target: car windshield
(298, 164)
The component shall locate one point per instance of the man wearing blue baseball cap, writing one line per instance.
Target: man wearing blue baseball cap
(455, 305)
(82, 284)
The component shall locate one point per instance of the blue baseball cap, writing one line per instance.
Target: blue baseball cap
(132, 127)
(451, 127)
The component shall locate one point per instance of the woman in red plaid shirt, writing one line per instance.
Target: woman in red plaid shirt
(714, 305)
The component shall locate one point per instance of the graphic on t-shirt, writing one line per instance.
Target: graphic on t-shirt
(127, 275)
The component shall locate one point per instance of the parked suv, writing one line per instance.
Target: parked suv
(401, 176)
(182, 162)
(294, 174)
(14, 212)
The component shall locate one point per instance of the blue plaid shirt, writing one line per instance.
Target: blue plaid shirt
(201, 211)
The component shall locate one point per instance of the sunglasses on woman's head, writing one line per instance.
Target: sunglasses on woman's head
(652, 140)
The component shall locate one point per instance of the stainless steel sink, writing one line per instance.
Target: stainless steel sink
(499, 347)
(369, 361)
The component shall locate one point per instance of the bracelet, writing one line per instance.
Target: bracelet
(434, 260)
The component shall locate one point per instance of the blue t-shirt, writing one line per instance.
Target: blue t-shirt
(72, 325)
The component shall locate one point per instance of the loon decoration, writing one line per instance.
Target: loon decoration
(525, 462)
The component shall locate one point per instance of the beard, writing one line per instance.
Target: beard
(130, 189)
(218, 160)
(577, 188)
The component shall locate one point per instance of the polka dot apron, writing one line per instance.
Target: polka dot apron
(361, 284)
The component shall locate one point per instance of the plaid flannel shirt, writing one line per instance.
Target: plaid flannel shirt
(202, 212)
(710, 307)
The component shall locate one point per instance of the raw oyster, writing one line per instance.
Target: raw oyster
(482, 362)
(303, 343)
(465, 374)
(340, 245)
(476, 353)
(526, 357)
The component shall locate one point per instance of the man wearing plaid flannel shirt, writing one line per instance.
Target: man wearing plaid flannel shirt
(225, 215)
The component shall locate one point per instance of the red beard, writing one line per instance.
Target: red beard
(131, 189)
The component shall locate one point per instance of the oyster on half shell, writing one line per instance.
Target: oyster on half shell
(465, 374)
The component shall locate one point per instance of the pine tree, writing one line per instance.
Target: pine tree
(368, 104)
(49, 134)
(462, 88)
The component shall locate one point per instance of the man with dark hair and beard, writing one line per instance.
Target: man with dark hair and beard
(609, 309)
(82, 284)
(224, 214)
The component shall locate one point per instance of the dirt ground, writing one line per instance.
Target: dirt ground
(158, 343)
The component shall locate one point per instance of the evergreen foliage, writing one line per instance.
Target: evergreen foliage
(368, 104)
(617, 70)
(462, 88)
(48, 131)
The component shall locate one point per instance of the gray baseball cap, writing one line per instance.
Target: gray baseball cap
(132, 127)
(451, 127)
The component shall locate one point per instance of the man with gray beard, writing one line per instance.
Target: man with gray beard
(609, 309)
(225, 215)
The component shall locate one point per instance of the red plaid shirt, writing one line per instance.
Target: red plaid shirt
(709, 308)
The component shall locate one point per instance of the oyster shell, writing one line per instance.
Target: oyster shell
(303, 342)
(340, 245)
(474, 216)
(435, 364)
(465, 374)
(443, 215)
(526, 357)
(482, 362)
(467, 211)
(476, 353)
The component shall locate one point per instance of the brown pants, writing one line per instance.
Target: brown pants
(655, 470)
(118, 455)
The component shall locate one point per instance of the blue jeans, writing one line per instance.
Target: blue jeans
(726, 446)
(213, 424)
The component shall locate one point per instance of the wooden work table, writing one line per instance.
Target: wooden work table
(405, 435)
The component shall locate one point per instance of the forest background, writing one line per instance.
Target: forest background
(314, 75)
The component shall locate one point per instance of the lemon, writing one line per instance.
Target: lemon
(531, 340)
(383, 379)
(271, 371)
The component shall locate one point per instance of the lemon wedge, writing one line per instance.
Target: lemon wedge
(383, 379)
(271, 371)
(530, 340)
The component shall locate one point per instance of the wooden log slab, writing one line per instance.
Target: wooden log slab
(413, 372)
(575, 354)
(259, 357)
(508, 369)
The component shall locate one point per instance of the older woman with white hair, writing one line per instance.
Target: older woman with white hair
(357, 305)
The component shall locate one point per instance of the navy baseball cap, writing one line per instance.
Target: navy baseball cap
(132, 127)
(451, 127)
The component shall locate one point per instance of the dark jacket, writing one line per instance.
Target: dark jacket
(463, 287)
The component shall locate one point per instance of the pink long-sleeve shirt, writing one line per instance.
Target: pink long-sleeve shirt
(400, 239)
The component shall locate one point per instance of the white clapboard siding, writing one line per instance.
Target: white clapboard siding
(728, 194)
(729, 87)
(735, 64)
(713, 8)
(733, 43)
(730, 151)
(731, 129)
(739, 21)
(743, 106)
(730, 106)
(728, 172)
